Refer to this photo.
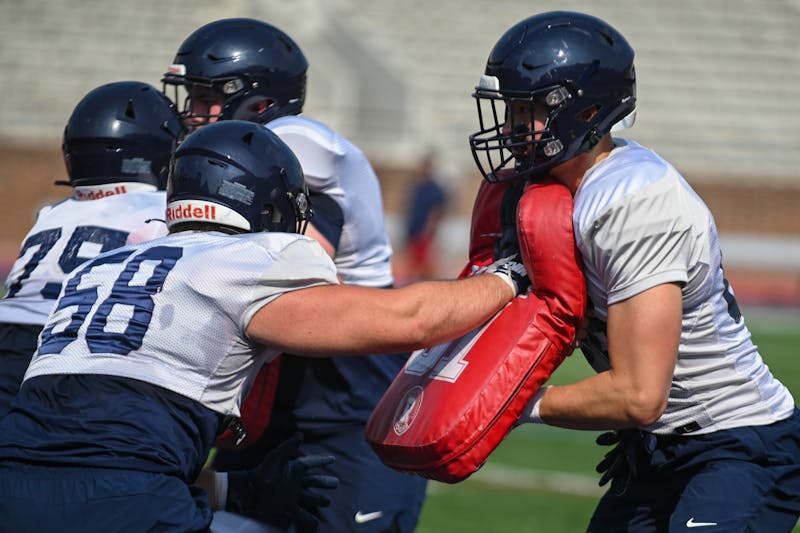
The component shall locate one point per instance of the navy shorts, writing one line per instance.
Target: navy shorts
(741, 479)
(17, 344)
(76, 499)
(371, 497)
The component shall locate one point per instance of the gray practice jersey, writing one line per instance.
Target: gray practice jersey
(638, 224)
(334, 166)
(67, 234)
(178, 311)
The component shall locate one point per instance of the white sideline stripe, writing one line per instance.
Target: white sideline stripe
(545, 480)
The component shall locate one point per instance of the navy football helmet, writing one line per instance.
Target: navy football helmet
(238, 176)
(575, 67)
(258, 70)
(121, 132)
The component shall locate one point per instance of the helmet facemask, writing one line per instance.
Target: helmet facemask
(532, 150)
(237, 97)
(197, 97)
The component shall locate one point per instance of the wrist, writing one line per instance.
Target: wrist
(510, 289)
(531, 413)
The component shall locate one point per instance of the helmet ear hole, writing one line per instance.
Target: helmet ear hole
(259, 106)
(588, 114)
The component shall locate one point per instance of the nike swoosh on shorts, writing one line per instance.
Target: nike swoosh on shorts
(367, 517)
(692, 523)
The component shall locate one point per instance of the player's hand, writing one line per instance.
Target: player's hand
(621, 464)
(279, 491)
(512, 271)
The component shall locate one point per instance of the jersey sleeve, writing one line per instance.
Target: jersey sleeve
(641, 241)
(300, 264)
(318, 149)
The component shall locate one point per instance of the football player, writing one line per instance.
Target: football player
(116, 147)
(250, 70)
(706, 435)
(151, 347)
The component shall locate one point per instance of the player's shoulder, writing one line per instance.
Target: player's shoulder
(303, 132)
(217, 248)
(628, 169)
(138, 200)
(292, 254)
(146, 196)
(45, 210)
(632, 161)
(64, 212)
(277, 242)
(300, 124)
(126, 201)
(259, 244)
(268, 239)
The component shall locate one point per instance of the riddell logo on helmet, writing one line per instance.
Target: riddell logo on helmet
(190, 212)
(177, 69)
(95, 192)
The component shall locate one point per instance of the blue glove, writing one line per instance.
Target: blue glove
(279, 490)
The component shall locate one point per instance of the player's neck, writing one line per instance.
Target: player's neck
(571, 172)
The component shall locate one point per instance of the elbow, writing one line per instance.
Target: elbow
(644, 409)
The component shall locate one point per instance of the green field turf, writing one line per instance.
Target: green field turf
(543, 479)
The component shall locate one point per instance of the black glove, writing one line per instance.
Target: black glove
(277, 491)
(513, 272)
(622, 463)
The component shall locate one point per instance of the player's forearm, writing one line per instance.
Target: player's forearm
(334, 320)
(436, 311)
(600, 402)
(415, 316)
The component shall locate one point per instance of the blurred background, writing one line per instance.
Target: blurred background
(717, 88)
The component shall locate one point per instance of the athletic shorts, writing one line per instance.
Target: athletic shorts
(370, 498)
(741, 479)
(48, 499)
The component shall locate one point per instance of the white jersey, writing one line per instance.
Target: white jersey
(639, 224)
(334, 166)
(178, 312)
(65, 235)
